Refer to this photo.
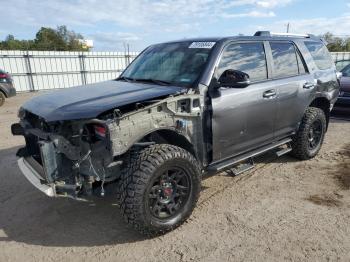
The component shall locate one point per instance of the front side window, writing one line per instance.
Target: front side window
(174, 63)
(284, 59)
(320, 54)
(246, 57)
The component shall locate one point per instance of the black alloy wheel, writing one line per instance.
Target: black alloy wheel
(169, 193)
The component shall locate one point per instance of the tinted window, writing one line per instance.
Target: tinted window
(346, 71)
(284, 60)
(341, 64)
(245, 57)
(320, 55)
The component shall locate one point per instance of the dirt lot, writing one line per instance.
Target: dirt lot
(281, 210)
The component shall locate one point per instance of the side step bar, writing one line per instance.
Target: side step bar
(283, 151)
(242, 167)
(222, 165)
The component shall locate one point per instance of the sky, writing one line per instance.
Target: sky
(113, 23)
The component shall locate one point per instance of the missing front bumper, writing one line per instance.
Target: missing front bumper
(35, 178)
(35, 175)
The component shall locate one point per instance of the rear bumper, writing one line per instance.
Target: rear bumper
(12, 92)
(35, 178)
(8, 89)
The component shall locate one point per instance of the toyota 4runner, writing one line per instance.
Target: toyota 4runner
(179, 111)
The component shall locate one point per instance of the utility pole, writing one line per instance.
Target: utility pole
(128, 46)
(288, 28)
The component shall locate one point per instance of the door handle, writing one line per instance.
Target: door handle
(269, 93)
(308, 85)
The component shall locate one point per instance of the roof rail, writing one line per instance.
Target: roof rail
(268, 33)
(262, 33)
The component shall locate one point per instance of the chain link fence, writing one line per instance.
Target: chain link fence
(40, 70)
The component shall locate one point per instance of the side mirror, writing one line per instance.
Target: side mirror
(233, 78)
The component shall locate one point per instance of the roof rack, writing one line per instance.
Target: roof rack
(268, 33)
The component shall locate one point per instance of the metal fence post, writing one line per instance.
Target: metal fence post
(128, 55)
(29, 71)
(82, 68)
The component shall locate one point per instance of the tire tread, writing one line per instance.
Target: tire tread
(299, 143)
(134, 178)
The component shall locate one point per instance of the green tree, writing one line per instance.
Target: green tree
(337, 44)
(11, 43)
(71, 38)
(60, 39)
(49, 39)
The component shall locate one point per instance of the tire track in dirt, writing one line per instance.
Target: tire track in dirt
(340, 174)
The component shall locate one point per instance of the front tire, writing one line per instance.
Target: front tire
(160, 188)
(309, 138)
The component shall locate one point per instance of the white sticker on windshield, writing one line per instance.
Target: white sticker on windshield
(207, 45)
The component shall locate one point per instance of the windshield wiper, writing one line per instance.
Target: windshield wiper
(124, 78)
(154, 81)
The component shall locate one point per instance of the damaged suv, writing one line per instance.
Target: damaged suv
(179, 111)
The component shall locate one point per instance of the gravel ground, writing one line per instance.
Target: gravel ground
(282, 210)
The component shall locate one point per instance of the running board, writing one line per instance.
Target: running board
(242, 167)
(222, 165)
(283, 151)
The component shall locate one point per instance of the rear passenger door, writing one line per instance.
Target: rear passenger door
(293, 84)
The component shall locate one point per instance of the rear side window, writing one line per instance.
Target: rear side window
(320, 54)
(246, 57)
(284, 59)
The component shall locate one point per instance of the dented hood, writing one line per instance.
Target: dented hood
(89, 101)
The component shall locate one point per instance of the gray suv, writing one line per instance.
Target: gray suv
(179, 111)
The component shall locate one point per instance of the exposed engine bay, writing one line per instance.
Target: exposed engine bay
(81, 158)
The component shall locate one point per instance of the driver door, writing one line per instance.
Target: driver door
(243, 118)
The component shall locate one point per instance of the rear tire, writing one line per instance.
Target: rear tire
(160, 188)
(2, 98)
(309, 138)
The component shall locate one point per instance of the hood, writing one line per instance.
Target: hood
(89, 101)
(345, 84)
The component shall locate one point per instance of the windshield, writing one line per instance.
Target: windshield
(340, 65)
(174, 63)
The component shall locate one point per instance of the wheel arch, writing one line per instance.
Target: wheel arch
(324, 104)
(2, 91)
(171, 137)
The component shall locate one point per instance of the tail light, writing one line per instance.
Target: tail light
(4, 77)
(100, 130)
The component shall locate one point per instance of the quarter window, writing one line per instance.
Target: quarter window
(320, 54)
(284, 60)
(246, 57)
